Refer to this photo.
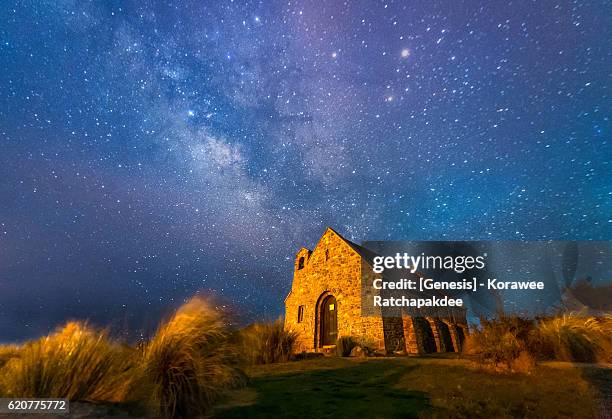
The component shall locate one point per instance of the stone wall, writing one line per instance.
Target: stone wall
(332, 268)
(335, 268)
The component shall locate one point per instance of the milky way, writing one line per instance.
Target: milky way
(154, 149)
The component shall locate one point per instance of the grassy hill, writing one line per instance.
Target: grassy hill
(196, 365)
(413, 387)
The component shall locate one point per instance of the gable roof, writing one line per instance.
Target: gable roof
(365, 253)
(369, 255)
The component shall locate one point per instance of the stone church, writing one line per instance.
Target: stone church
(324, 304)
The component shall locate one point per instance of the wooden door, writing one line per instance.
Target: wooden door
(329, 321)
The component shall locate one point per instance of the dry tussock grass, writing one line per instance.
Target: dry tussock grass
(189, 363)
(180, 372)
(76, 362)
(515, 342)
(572, 337)
(267, 343)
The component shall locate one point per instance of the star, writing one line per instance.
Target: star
(225, 136)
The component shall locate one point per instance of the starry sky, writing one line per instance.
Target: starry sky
(153, 149)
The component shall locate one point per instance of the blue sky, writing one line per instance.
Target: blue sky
(151, 150)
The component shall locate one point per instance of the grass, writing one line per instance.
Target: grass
(8, 352)
(409, 387)
(189, 363)
(502, 340)
(192, 363)
(181, 372)
(466, 391)
(516, 342)
(267, 343)
(76, 362)
(576, 338)
(330, 387)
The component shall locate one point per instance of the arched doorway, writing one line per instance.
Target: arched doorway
(329, 321)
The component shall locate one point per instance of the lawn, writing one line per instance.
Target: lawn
(409, 387)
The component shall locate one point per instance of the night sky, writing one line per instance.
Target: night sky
(150, 150)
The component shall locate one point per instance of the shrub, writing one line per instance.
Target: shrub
(572, 337)
(189, 363)
(517, 342)
(501, 340)
(524, 363)
(76, 362)
(267, 343)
